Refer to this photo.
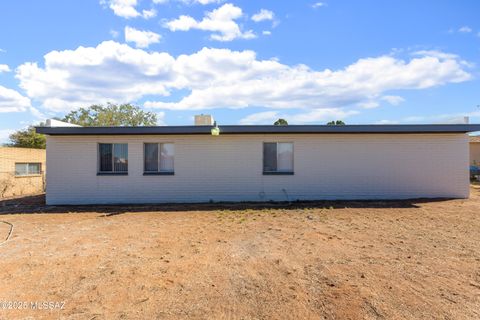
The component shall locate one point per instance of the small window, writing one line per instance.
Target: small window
(159, 158)
(277, 158)
(113, 158)
(27, 169)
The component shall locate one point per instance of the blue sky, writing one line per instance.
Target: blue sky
(245, 62)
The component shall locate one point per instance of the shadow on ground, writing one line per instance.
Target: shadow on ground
(36, 204)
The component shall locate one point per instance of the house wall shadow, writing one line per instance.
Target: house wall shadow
(36, 205)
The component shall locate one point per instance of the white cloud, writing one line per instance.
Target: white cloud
(148, 14)
(122, 8)
(12, 101)
(465, 29)
(446, 118)
(368, 104)
(114, 33)
(219, 78)
(38, 114)
(142, 39)
(321, 115)
(318, 5)
(266, 117)
(4, 68)
(453, 120)
(266, 33)
(4, 135)
(238, 79)
(161, 118)
(263, 15)
(443, 56)
(109, 72)
(393, 100)
(203, 2)
(182, 23)
(387, 122)
(221, 21)
(127, 9)
(312, 116)
(436, 54)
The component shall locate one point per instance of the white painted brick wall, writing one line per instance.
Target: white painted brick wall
(229, 168)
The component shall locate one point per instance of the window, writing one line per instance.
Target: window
(27, 169)
(277, 158)
(113, 158)
(159, 158)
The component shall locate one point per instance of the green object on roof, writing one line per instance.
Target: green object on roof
(215, 131)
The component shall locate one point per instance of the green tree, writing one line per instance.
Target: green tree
(111, 115)
(27, 138)
(281, 122)
(93, 116)
(336, 123)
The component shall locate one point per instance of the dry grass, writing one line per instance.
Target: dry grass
(330, 260)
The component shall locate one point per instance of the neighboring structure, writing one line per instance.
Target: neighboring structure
(22, 171)
(204, 120)
(475, 157)
(475, 151)
(58, 123)
(255, 163)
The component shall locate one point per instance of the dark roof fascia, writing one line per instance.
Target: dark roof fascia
(259, 129)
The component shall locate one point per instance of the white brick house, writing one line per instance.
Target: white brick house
(255, 163)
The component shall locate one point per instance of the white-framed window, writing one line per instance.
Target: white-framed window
(158, 158)
(278, 158)
(27, 169)
(113, 158)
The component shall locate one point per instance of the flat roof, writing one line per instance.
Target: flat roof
(262, 129)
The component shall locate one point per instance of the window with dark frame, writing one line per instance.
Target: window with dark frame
(159, 158)
(277, 158)
(27, 169)
(113, 158)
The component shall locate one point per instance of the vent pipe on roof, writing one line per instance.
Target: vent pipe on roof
(215, 131)
(204, 120)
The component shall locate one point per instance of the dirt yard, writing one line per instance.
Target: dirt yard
(330, 260)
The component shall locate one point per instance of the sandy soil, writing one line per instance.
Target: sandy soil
(330, 260)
